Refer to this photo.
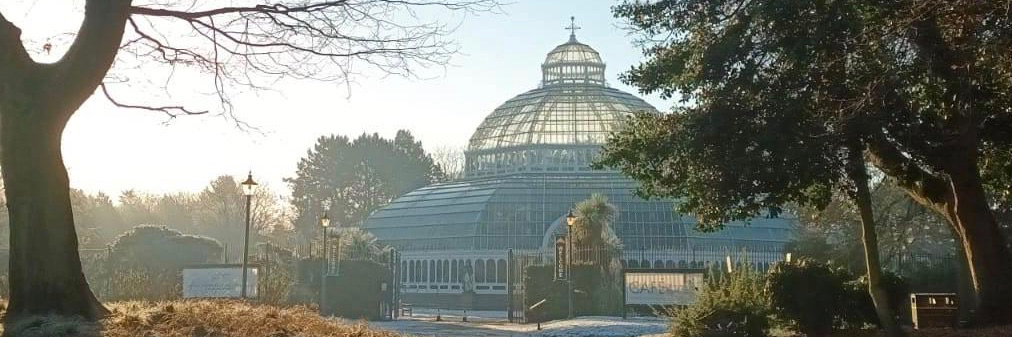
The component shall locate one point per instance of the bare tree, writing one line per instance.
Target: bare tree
(238, 44)
(451, 160)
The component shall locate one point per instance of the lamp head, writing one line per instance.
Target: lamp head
(325, 220)
(570, 218)
(249, 186)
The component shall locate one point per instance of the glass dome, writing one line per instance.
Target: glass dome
(559, 126)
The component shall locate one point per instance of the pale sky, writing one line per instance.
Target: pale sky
(110, 150)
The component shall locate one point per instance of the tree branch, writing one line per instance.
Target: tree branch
(170, 110)
(91, 55)
(927, 188)
(12, 52)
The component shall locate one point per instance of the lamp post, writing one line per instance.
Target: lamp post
(325, 268)
(570, 221)
(248, 187)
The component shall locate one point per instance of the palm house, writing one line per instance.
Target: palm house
(526, 165)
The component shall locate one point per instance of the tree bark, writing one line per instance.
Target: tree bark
(861, 196)
(45, 268)
(36, 101)
(985, 250)
(959, 197)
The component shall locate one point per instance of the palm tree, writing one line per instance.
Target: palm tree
(592, 229)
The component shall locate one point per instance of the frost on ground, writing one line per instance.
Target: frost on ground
(492, 323)
(595, 326)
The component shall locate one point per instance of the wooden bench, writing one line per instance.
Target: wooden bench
(406, 309)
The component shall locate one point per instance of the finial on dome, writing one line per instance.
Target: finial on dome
(572, 29)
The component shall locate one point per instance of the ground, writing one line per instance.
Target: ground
(493, 323)
(192, 318)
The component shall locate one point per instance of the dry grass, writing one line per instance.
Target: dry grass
(1001, 331)
(198, 318)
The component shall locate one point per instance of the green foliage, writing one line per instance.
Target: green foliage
(816, 298)
(592, 229)
(146, 262)
(357, 291)
(732, 304)
(596, 291)
(357, 243)
(811, 295)
(351, 178)
(861, 309)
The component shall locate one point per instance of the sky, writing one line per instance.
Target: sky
(108, 149)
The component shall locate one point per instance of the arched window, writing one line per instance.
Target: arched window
(682, 264)
(453, 272)
(418, 271)
(501, 271)
(432, 271)
(404, 271)
(411, 271)
(425, 271)
(634, 264)
(469, 269)
(439, 271)
(669, 264)
(644, 264)
(490, 271)
(479, 271)
(658, 264)
(446, 271)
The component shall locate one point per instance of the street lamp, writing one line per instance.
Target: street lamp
(325, 223)
(570, 221)
(248, 187)
(325, 267)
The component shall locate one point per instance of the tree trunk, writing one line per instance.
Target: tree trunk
(45, 268)
(879, 296)
(861, 196)
(985, 250)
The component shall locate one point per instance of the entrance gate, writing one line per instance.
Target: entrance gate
(517, 303)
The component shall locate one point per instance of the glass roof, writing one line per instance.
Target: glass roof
(563, 115)
(573, 107)
(516, 211)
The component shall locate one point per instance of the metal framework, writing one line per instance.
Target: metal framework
(528, 163)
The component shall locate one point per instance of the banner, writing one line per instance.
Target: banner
(662, 288)
(218, 281)
(561, 267)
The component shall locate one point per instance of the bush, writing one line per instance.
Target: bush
(862, 309)
(732, 304)
(811, 295)
(146, 262)
(277, 278)
(357, 292)
(596, 291)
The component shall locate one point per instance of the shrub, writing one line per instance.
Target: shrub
(277, 278)
(862, 309)
(732, 304)
(809, 294)
(596, 291)
(357, 291)
(146, 262)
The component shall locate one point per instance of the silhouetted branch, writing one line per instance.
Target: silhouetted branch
(254, 46)
(171, 111)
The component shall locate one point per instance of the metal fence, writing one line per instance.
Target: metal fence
(715, 257)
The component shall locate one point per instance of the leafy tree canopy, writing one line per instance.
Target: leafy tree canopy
(349, 179)
(782, 100)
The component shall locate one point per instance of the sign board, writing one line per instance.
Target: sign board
(662, 286)
(218, 281)
(561, 268)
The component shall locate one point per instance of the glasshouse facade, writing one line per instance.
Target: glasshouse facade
(526, 165)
